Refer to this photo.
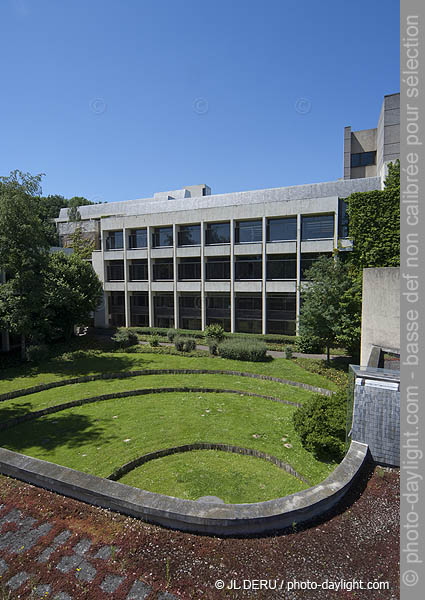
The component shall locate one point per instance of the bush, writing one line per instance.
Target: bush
(125, 338)
(213, 347)
(171, 334)
(179, 343)
(288, 352)
(320, 423)
(243, 349)
(37, 353)
(189, 345)
(214, 332)
(154, 341)
(309, 345)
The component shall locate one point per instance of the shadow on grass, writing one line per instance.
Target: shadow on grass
(71, 430)
(12, 410)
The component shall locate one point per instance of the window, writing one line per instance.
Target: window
(282, 266)
(317, 227)
(139, 270)
(164, 310)
(363, 159)
(190, 311)
(218, 267)
(138, 238)
(189, 235)
(342, 219)
(116, 309)
(190, 268)
(281, 313)
(162, 236)
(115, 240)
(163, 269)
(115, 271)
(217, 233)
(248, 267)
(282, 229)
(248, 231)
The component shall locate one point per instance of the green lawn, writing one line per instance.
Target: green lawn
(192, 475)
(98, 438)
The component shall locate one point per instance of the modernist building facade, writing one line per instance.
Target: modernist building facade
(188, 258)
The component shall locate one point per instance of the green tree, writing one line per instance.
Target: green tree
(72, 292)
(82, 246)
(23, 255)
(330, 310)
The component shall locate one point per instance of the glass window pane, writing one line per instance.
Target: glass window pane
(218, 233)
(249, 231)
(317, 227)
(282, 229)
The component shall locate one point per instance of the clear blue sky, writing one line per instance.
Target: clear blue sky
(116, 100)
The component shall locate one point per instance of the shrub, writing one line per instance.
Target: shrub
(214, 332)
(171, 334)
(320, 423)
(288, 352)
(154, 341)
(125, 338)
(213, 347)
(37, 353)
(309, 345)
(179, 343)
(189, 345)
(243, 349)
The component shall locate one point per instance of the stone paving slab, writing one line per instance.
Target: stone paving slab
(23, 533)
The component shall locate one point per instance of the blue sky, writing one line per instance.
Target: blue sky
(116, 100)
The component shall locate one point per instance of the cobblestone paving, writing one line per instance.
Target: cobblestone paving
(21, 534)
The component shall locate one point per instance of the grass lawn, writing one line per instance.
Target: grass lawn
(192, 475)
(98, 438)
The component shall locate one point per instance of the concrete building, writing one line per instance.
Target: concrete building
(187, 258)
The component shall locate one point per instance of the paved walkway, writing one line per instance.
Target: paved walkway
(28, 552)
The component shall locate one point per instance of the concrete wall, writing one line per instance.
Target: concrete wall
(380, 311)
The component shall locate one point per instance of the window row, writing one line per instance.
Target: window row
(278, 266)
(280, 311)
(278, 229)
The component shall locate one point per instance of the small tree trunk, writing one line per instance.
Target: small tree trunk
(328, 354)
(23, 346)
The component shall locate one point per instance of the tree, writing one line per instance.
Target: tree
(72, 292)
(330, 310)
(23, 255)
(82, 246)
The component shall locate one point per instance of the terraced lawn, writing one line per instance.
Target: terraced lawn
(101, 436)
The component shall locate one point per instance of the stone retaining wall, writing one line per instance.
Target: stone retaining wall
(188, 515)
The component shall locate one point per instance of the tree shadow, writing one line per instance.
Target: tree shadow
(10, 410)
(71, 430)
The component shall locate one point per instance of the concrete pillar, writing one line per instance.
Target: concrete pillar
(298, 289)
(107, 297)
(264, 274)
(232, 276)
(150, 275)
(203, 301)
(126, 296)
(176, 299)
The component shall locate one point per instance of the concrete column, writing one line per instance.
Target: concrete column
(203, 302)
(263, 283)
(232, 276)
(176, 299)
(150, 275)
(126, 296)
(106, 296)
(336, 227)
(298, 289)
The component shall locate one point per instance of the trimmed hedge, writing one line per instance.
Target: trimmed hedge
(272, 338)
(252, 350)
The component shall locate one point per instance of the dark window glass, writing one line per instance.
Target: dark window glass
(190, 268)
(190, 308)
(139, 299)
(138, 238)
(317, 227)
(115, 240)
(282, 229)
(189, 235)
(218, 302)
(217, 233)
(281, 266)
(248, 326)
(166, 300)
(162, 236)
(248, 267)
(248, 303)
(218, 268)
(343, 219)
(139, 270)
(117, 299)
(115, 271)
(163, 269)
(248, 231)
(363, 159)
